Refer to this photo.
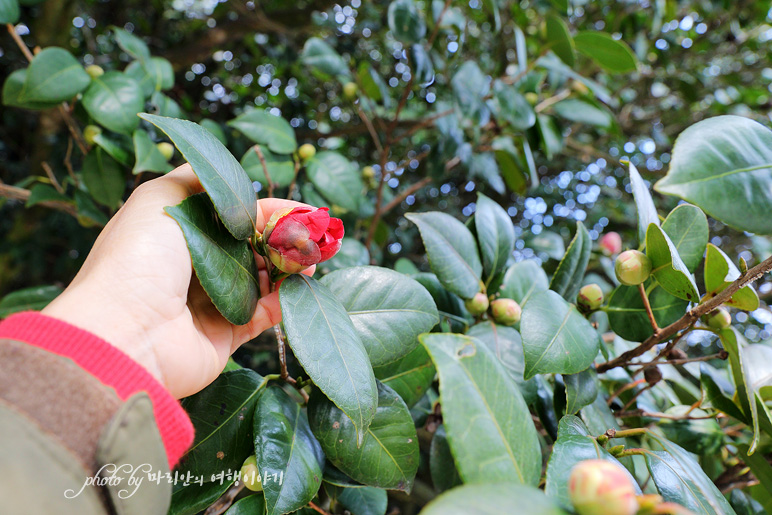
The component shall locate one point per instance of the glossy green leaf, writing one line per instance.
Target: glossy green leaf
(720, 272)
(225, 266)
(113, 100)
(680, 479)
(220, 174)
(421, 64)
(700, 435)
(44, 193)
(452, 252)
(318, 54)
(89, 215)
(165, 106)
(252, 505)
(441, 465)
(506, 344)
(410, 376)
(54, 75)
(512, 106)
(13, 88)
(627, 314)
(326, 343)
(352, 253)
(581, 390)
(213, 127)
(491, 499)
(555, 65)
(335, 477)
(405, 21)
(484, 166)
(714, 394)
(580, 111)
(724, 165)
(263, 128)
(687, 227)
(222, 418)
(613, 55)
(495, 235)
(647, 212)
(556, 337)
(28, 299)
(9, 11)
(153, 75)
(551, 137)
(284, 445)
(510, 165)
(117, 146)
(388, 309)
(569, 276)
(470, 86)
(522, 280)
(281, 168)
(367, 500)
(337, 179)
(193, 498)
(148, 157)
(103, 178)
(559, 39)
(489, 427)
(388, 456)
(667, 266)
(131, 44)
(759, 466)
(449, 305)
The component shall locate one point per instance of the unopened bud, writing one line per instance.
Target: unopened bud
(306, 151)
(599, 487)
(652, 375)
(506, 311)
(590, 298)
(718, 319)
(94, 70)
(632, 267)
(166, 149)
(250, 475)
(532, 98)
(350, 90)
(611, 243)
(90, 133)
(478, 304)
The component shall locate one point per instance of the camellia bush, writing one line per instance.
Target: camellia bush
(432, 364)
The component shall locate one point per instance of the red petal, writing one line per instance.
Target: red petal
(336, 228)
(329, 249)
(292, 241)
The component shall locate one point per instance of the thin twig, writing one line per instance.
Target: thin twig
(437, 24)
(647, 307)
(554, 99)
(406, 193)
(52, 177)
(370, 128)
(294, 178)
(15, 193)
(68, 162)
(265, 170)
(317, 508)
(24, 49)
(427, 122)
(222, 504)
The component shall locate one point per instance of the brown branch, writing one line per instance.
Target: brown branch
(437, 24)
(406, 193)
(222, 504)
(370, 128)
(427, 122)
(265, 170)
(317, 509)
(52, 177)
(690, 317)
(14, 193)
(647, 306)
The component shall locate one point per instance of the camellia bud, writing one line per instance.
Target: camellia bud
(368, 172)
(478, 304)
(90, 133)
(532, 98)
(632, 267)
(94, 70)
(590, 298)
(250, 475)
(350, 90)
(599, 487)
(611, 243)
(166, 149)
(506, 311)
(306, 151)
(718, 319)
(296, 238)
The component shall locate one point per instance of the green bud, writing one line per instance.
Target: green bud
(94, 70)
(368, 172)
(306, 151)
(478, 304)
(599, 487)
(632, 267)
(506, 311)
(718, 319)
(250, 475)
(90, 133)
(532, 98)
(350, 90)
(166, 149)
(590, 298)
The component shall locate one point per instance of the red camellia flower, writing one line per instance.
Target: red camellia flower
(296, 238)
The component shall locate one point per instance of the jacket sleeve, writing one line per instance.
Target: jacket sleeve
(85, 409)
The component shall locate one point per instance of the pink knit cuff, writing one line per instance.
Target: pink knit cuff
(108, 364)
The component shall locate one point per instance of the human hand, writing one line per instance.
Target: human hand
(137, 291)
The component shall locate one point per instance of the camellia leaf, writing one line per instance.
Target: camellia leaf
(551, 137)
(225, 266)
(165, 106)
(560, 40)
(131, 44)
(421, 64)
(281, 168)
(192, 498)
(647, 213)
(495, 234)
(489, 427)
(613, 55)
(720, 272)
(522, 280)
(714, 395)
(512, 106)
(366, 500)
(154, 75)
(9, 11)
(54, 75)
(103, 178)
(13, 88)
(556, 337)
(388, 456)
(337, 179)
(490, 499)
(117, 146)
(724, 165)
(352, 253)
(222, 417)
(405, 21)
(148, 157)
(113, 100)
(627, 315)
(35, 298)
(441, 465)
(410, 376)
(318, 54)
(506, 344)
(264, 128)
(470, 86)
(452, 252)
(248, 506)
(569, 276)
(687, 227)
(484, 166)
(44, 193)
(667, 267)
(576, 110)
(220, 174)
(327, 345)
(285, 446)
(388, 309)
(761, 469)
(581, 390)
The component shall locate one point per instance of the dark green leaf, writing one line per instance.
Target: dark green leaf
(89, 214)
(410, 376)
(760, 467)
(560, 40)
(9, 11)
(580, 111)
(284, 445)
(627, 314)
(153, 75)
(449, 305)
(687, 227)
(281, 168)
(405, 21)
(470, 86)
(54, 75)
(452, 252)
(252, 505)
(220, 174)
(117, 146)
(647, 213)
(492, 499)
(213, 127)
(388, 309)
(495, 235)
(489, 427)
(700, 435)
(581, 390)
(104, 178)
(352, 253)
(263, 128)
(551, 137)
(148, 157)
(512, 106)
(165, 106)
(714, 394)
(45, 193)
(388, 455)
(367, 500)
(667, 267)
(556, 337)
(337, 179)
(13, 88)
(421, 64)
(443, 468)
(113, 100)
(131, 44)
(720, 272)
(522, 280)
(225, 266)
(328, 347)
(28, 299)
(569, 276)
(193, 498)
(613, 55)
(484, 166)
(320, 55)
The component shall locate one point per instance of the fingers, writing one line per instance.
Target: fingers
(267, 314)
